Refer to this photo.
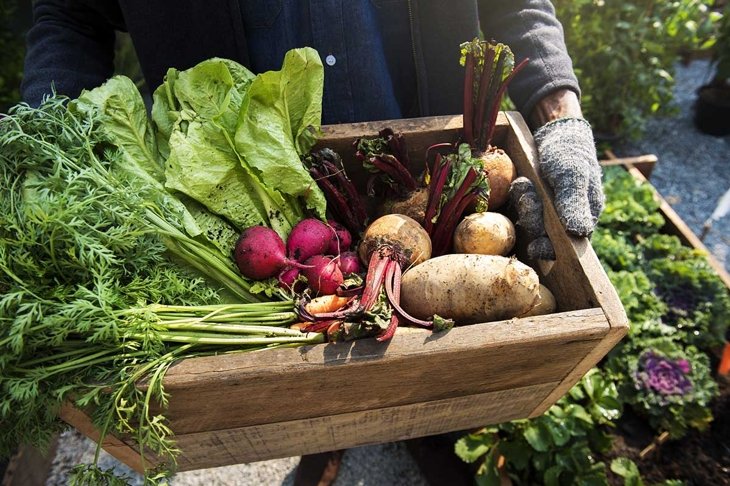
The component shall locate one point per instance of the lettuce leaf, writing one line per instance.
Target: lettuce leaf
(204, 116)
(279, 122)
(118, 106)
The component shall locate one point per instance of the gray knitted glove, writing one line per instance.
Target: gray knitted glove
(525, 200)
(569, 165)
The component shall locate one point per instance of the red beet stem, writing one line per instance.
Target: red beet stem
(469, 99)
(393, 298)
(436, 189)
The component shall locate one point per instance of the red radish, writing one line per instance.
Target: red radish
(349, 263)
(309, 237)
(288, 278)
(323, 274)
(260, 253)
(341, 240)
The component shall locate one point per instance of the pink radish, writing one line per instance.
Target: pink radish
(288, 279)
(260, 253)
(309, 237)
(349, 263)
(323, 274)
(341, 239)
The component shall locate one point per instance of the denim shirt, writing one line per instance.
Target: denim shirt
(71, 45)
(345, 33)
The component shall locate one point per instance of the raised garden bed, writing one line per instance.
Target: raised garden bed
(284, 402)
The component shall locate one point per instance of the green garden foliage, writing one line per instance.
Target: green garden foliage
(554, 449)
(679, 311)
(624, 55)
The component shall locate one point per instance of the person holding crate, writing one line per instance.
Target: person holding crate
(383, 59)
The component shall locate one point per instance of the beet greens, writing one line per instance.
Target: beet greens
(385, 157)
(489, 70)
(456, 182)
(343, 198)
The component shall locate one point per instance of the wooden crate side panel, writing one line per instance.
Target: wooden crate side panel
(292, 438)
(577, 277)
(589, 361)
(248, 389)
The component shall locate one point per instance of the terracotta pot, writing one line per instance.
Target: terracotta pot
(712, 109)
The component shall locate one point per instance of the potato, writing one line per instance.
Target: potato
(501, 171)
(469, 288)
(485, 233)
(545, 304)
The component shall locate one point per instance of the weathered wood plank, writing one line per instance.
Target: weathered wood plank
(577, 277)
(326, 433)
(112, 444)
(644, 163)
(253, 388)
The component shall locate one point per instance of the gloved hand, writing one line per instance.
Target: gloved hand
(569, 165)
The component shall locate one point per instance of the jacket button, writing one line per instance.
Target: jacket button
(330, 60)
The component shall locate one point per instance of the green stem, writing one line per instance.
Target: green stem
(281, 317)
(212, 339)
(232, 328)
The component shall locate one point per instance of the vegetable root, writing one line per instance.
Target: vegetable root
(470, 288)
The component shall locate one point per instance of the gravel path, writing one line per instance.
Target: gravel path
(387, 464)
(693, 172)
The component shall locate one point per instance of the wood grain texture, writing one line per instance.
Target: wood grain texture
(254, 388)
(115, 446)
(326, 433)
(577, 277)
(645, 163)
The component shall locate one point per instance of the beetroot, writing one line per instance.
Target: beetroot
(341, 239)
(323, 274)
(309, 237)
(349, 263)
(260, 254)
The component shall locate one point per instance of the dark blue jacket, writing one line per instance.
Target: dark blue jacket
(71, 43)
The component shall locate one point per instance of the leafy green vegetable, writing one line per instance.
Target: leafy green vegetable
(554, 448)
(279, 122)
(233, 141)
(89, 250)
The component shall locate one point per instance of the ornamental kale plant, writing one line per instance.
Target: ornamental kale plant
(665, 378)
(677, 305)
(669, 385)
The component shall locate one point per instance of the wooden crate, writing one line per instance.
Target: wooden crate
(287, 402)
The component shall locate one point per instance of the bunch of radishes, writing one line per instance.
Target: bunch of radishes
(317, 250)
